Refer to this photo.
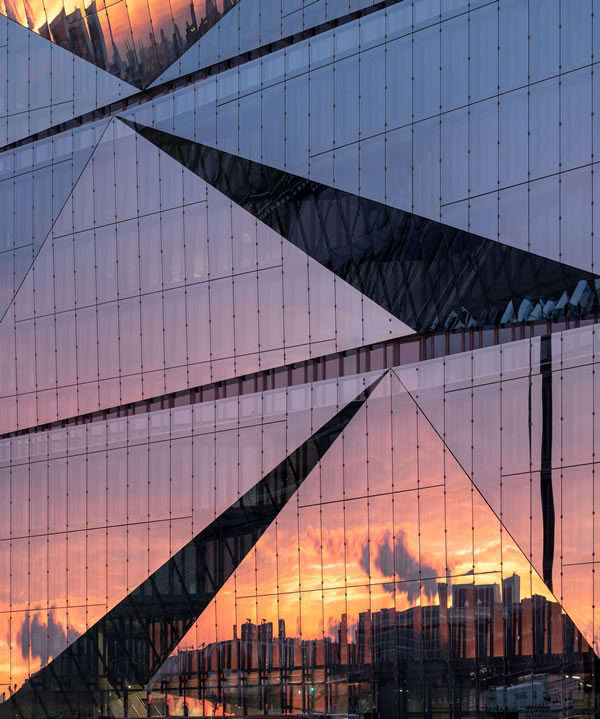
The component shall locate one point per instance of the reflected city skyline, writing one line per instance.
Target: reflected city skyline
(298, 348)
(135, 41)
(266, 665)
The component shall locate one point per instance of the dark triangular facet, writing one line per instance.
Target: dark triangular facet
(118, 656)
(427, 274)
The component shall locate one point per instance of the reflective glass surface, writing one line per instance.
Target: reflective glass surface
(297, 359)
(135, 41)
(420, 62)
(140, 292)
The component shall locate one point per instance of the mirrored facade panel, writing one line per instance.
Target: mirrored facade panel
(43, 85)
(133, 42)
(298, 347)
(103, 507)
(180, 281)
(525, 133)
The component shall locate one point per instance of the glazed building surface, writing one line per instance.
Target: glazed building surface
(298, 307)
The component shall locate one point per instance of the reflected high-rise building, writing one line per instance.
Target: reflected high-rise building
(88, 31)
(298, 307)
(96, 36)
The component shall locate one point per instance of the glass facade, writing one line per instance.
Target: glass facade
(298, 307)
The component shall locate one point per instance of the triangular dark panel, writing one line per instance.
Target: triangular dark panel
(427, 274)
(112, 663)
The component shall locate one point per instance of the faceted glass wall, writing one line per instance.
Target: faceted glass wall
(479, 114)
(88, 513)
(230, 482)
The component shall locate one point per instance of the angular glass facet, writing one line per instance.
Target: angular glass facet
(425, 273)
(136, 636)
(173, 276)
(230, 481)
(134, 41)
(44, 85)
(393, 584)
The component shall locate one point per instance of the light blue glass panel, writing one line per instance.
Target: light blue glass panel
(205, 129)
(544, 128)
(129, 335)
(399, 19)
(64, 270)
(270, 304)
(7, 208)
(426, 71)
(221, 327)
(250, 138)
(296, 59)
(273, 122)
(250, 77)
(345, 169)
(513, 216)
(232, 26)
(399, 82)
(270, 18)
(513, 136)
(426, 168)
(227, 127)
(347, 39)
(576, 119)
(544, 38)
(321, 167)
(43, 210)
(544, 208)
(174, 327)
(150, 254)
(321, 49)
(372, 91)
(575, 34)
(455, 157)
(321, 110)
(372, 168)
(246, 313)
(483, 40)
(315, 13)
(3, 93)
(108, 340)
(273, 68)
(450, 8)
(513, 42)
(399, 168)
(290, 6)
(456, 215)
(576, 218)
(227, 85)
(596, 29)
(87, 345)
(455, 63)
(128, 255)
(173, 260)
(372, 29)
(425, 12)
(18, 69)
(483, 215)
(39, 58)
(85, 261)
(347, 74)
(106, 263)
(484, 147)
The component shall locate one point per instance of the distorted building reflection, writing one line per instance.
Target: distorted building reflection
(439, 659)
(298, 345)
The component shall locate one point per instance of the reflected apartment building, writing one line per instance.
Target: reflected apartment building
(298, 307)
